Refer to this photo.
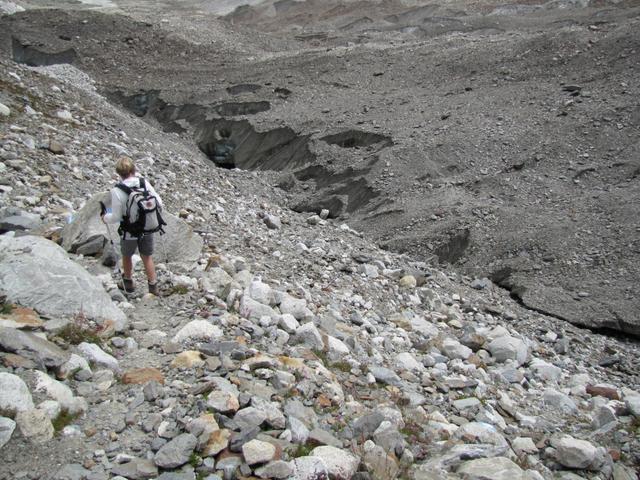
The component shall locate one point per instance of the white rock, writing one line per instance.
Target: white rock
(9, 8)
(75, 364)
(545, 371)
(509, 348)
(573, 453)
(51, 407)
(253, 310)
(224, 402)
(14, 395)
(308, 335)
(95, 354)
(64, 115)
(7, 426)
(336, 349)
(310, 468)
(296, 307)
(406, 361)
(498, 468)
(454, 349)
(288, 323)
(341, 464)
(632, 402)
(60, 393)
(257, 451)
(523, 445)
(559, 400)
(35, 425)
(63, 289)
(261, 293)
(4, 110)
(198, 330)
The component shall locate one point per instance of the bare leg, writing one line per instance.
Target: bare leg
(149, 268)
(127, 267)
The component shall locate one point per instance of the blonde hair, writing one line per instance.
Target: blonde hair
(125, 167)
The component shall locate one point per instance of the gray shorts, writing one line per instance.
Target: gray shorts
(144, 244)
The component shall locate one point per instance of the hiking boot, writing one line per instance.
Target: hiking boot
(153, 289)
(128, 285)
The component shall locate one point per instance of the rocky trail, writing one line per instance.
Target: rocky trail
(283, 344)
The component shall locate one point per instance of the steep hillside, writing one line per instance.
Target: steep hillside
(283, 344)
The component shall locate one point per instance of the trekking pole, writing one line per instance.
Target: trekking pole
(103, 210)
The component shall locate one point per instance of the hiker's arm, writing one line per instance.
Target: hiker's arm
(116, 209)
(155, 194)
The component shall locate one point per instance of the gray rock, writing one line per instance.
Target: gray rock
(632, 402)
(499, 468)
(272, 222)
(64, 288)
(223, 401)
(309, 336)
(136, 469)
(573, 453)
(276, 469)
(295, 306)
(249, 417)
(20, 222)
(299, 431)
(238, 439)
(176, 452)
(253, 310)
(33, 347)
(288, 323)
(384, 375)
(559, 400)
(388, 437)
(216, 281)
(454, 349)
(180, 243)
(341, 464)
(7, 426)
(72, 471)
(318, 436)
(545, 371)
(603, 416)
(365, 425)
(14, 395)
(274, 416)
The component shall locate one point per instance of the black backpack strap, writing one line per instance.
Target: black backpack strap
(143, 184)
(124, 188)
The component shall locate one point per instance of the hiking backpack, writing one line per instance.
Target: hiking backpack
(142, 214)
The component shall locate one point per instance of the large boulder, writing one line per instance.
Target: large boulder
(37, 273)
(88, 235)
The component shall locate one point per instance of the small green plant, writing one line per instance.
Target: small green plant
(342, 366)
(75, 334)
(302, 450)
(195, 460)
(6, 308)
(322, 356)
(63, 419)
(80, 330)
(179, 290)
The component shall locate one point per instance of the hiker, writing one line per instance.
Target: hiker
(132, 239)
